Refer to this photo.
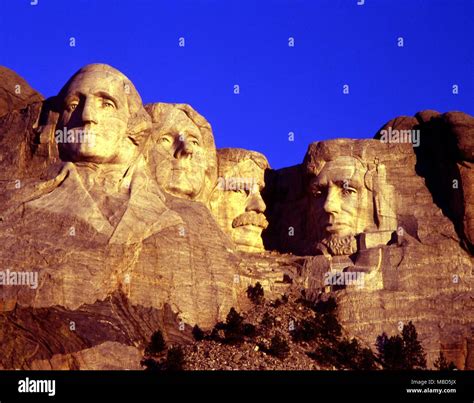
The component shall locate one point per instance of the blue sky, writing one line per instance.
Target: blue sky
(282, 89)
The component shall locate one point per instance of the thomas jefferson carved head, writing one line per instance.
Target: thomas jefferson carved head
(101, 114)
(236, 201)
(183, 153)
(347, 194)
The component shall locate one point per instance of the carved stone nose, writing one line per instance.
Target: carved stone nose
(88, 112)
(332, 204)
(255, 203)
(183, 150)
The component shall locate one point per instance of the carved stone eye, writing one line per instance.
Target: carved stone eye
(108, 104)
(192, 140)
(317, 191)
(348, 191)
(240, 189)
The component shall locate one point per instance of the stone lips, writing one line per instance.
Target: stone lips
(102, 294)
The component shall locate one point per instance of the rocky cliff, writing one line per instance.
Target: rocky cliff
(90, 268)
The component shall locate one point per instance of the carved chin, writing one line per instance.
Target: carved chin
(180, 185)
(183, 188)
(248, 238)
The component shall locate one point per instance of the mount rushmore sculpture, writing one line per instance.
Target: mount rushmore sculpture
(130, 220)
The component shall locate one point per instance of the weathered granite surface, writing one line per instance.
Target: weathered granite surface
(112, 241)
(15, 92)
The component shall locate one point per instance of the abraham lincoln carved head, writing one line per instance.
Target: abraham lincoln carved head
(347, 194)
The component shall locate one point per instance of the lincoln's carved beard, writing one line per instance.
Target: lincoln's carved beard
(337, 245)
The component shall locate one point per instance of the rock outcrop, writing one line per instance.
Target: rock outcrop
(15, 92)
(444, 158)
(105, 242)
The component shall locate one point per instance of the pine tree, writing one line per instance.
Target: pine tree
(198, 334)
(279, 347)
(175, 359)
(442, 364)
(390, 351)
(157, 344)
(233, 328)
(401, 352)
(413, 351)
(255, 294)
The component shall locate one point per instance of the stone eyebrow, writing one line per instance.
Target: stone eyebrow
(240, 182)
(350, 182)
(189, 133)
(195, 134)
(106, 95)
(74, 95)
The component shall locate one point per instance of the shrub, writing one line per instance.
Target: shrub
(234, 328)
(276, 303)
(233, 331)
(217, 333)
(329, 326)
(442, 364)
(268, 320)
(326, 307)
(175, 359)
(157, 344)
(255, 294)
(345, 354)
(279, 347)
(198, 334)
(150, 364)
(233, 321)
(325, 324)
(305, 330)
(249, 330)
(353, 356)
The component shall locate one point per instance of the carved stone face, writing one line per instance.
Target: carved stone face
(182, 170)
(182, 154)
(339, 205)
(238, 206)
(95, 102)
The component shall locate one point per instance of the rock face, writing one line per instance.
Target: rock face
(109, 235)
(393, 264)
(92, 217)
(15, 92)
(445, 157)
(105, 356)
